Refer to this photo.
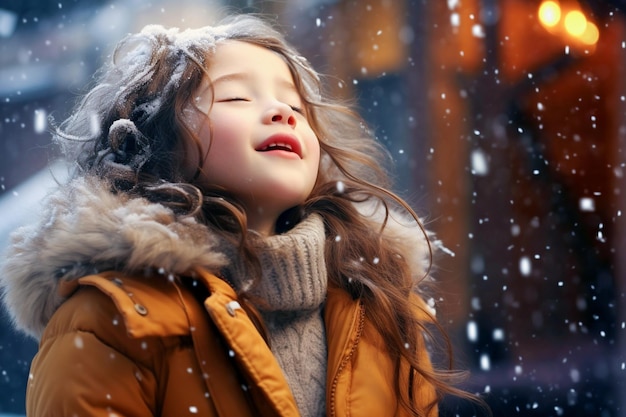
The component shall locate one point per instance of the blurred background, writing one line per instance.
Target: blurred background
(507, 123)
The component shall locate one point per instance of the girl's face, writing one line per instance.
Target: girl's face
(261, 148)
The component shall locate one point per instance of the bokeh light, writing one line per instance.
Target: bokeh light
(550, 13)
(575, 23)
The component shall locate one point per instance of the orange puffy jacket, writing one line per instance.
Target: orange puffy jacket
(128, 346)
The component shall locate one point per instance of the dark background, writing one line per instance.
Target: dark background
(508, 138)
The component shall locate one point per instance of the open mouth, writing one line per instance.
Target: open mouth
(281, 142)
(277, 146)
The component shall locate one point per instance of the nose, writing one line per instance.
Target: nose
(280, 113)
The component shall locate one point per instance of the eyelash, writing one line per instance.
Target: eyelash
(297, 109)
(294, 108)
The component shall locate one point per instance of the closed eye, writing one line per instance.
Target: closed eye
(294, 108)
(297, 109)
(234, 99)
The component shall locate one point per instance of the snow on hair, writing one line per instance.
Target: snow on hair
(151, 81)
(150, 73)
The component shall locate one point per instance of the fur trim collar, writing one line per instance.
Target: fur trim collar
(84, 229)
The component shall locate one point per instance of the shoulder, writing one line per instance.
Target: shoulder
(405, 235)
(85, 227)
(125, 312)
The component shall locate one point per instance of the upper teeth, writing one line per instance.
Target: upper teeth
(279, 145)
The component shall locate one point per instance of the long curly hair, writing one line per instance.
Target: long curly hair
(132, 129)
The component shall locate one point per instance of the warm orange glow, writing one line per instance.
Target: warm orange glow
(549, 13)
(591, 34)
(575, 23)
(569, 22)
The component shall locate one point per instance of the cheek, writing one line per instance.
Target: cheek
(317, 154)
(225, 126)
(313, 145)
(215, 143)
(212, 128)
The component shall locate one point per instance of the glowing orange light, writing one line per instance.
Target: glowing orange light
(575, 23)
(549, 13)
(591, 34)
(569, 22)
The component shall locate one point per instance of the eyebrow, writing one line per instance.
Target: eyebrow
(244, 76)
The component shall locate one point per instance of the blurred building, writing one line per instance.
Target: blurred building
(506, 120)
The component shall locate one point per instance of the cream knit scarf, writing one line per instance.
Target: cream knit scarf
(293, 289)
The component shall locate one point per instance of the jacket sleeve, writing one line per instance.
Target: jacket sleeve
(85, 367)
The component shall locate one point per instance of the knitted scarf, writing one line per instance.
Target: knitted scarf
(291, 295)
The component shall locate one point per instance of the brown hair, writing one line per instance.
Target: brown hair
(130, 128)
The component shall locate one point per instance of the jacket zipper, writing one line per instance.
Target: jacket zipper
(346, 359)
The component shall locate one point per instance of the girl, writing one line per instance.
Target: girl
(226, 246)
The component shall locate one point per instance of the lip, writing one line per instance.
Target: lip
(281, 138)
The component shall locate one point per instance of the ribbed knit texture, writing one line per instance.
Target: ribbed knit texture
(292, 293)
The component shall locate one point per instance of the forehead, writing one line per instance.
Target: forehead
(235, 57)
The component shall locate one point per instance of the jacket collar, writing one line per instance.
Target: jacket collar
(85, 229)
